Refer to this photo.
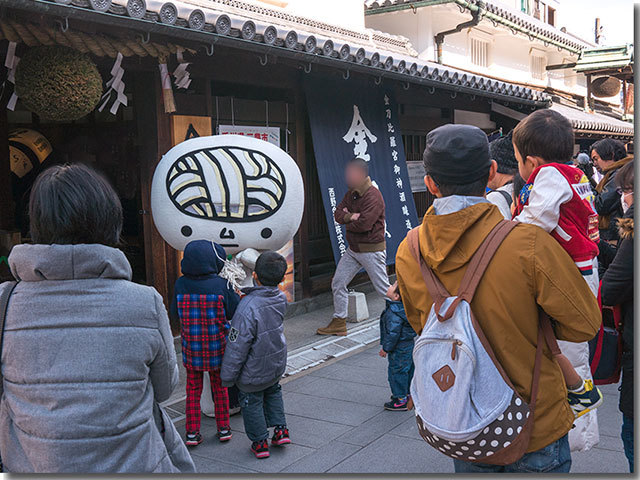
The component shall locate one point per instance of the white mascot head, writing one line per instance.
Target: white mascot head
(237, 191)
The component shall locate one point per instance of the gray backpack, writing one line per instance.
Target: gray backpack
(466, 406)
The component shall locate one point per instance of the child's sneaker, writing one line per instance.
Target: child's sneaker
(397, 404)
(224, 435)
(280, 436)
(585, 399)
(260, 449)
(193, 439)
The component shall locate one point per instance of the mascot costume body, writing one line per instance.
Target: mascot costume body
(243, 193)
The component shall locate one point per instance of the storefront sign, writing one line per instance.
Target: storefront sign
(416, 176)
(348, 121)
(268, 134)
(184, 127)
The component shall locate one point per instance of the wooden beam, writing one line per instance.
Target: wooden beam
(301, 159)
(589, 98)
(7, 207)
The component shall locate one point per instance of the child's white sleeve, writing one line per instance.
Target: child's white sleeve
(550, 190)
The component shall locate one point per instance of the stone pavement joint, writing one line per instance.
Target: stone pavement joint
(338, 425)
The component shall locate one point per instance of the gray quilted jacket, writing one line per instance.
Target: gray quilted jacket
(87, 355)
(256, 353)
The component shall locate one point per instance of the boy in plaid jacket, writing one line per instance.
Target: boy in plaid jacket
(205, 303)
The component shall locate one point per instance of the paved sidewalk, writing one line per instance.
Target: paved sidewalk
(338, 425)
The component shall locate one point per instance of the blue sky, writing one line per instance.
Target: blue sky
(616, 16)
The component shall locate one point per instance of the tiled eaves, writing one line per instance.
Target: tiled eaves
(215, 27)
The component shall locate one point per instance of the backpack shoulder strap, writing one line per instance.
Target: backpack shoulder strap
(478, 264)
(436, 289)
(7, 290)
(481, 259)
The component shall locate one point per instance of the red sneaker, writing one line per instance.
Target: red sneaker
(280, 436)
(260, 449)
(193, 439)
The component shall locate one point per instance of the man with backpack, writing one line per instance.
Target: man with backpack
(514, 416)
(501, 186)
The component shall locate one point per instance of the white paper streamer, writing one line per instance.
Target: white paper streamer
(181, 74)
(115, 85)
(11, 62)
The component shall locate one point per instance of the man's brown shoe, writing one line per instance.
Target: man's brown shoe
(338, 326)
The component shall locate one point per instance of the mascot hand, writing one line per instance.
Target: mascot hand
(248, 257)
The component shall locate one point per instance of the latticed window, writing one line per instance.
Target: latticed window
(479, 52)
(538, 67)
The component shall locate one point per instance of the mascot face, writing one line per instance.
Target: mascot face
(237, 191)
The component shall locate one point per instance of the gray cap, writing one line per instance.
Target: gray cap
(457, 154)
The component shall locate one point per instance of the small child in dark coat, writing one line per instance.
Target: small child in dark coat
(204, 302)
(396, 339)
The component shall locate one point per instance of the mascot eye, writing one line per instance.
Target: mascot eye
(186, 231)
(226, 183)
(266, 233)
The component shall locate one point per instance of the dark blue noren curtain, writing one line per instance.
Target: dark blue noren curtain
(353, 120)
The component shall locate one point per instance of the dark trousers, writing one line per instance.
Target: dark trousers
(554, 458)
(400, 371)
(627, 439)
(261, 410)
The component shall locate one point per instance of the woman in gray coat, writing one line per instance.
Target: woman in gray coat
(87, 354)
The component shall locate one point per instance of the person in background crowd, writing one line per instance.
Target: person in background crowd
(608, 156)
(87, 354)
(529, 271)
(256, 355)
(617, 289)
(583, 162)
(501, 186)
(396, 340)
(556, 199)
(362, 212)
(518, 185)
(204, 302)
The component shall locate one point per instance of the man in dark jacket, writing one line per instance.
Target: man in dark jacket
(617, 289)
(256, 355)
(362, 212)
(204, 302)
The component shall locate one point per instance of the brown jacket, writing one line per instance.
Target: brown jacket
(529, 269)
(366, 234)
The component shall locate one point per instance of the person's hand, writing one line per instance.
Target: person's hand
(382, 353)
(410, 403)
(355, 216)
(345, 210)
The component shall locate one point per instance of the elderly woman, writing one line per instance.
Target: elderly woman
(87, 354)
(617, 289)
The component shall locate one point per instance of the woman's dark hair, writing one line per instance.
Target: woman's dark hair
(518, 184)
(270, 268)
(624, 177)
(546, 134)
(72, 204)
(609, 149)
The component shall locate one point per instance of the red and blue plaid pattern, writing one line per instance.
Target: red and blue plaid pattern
(194, 392)
(204, 328)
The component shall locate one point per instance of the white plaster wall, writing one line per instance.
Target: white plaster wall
(510, 55)
(345, 13)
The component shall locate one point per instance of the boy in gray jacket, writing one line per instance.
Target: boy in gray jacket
(256, 355)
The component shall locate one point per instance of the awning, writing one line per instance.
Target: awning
(263, 30)
(594, 124)
(605, 58)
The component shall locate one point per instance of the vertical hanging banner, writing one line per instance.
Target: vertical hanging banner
(347, 121)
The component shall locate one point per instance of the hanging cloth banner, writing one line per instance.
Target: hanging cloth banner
(349, 121)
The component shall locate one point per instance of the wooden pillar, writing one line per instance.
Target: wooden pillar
(301, 159)
(7, 208)
(589, 104)
(148, 106)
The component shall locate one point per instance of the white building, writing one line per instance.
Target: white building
(509, 40)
